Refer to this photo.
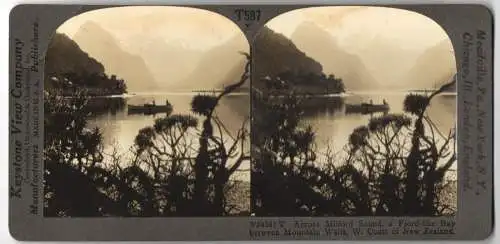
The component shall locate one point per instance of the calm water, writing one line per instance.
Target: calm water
(333, 127)
(331, 123)
(120, 128)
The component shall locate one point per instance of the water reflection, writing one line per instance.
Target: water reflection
(106, 105)
(326, 114)
(119, 127)
(321, 106)
(333, 125)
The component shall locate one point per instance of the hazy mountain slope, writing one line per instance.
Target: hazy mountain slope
(65, 56)
(273, 54)
(219, 66)
(68, 67)
(434, 67)
(170, 63)
(320, 45)
(103, 46)
(387, 60)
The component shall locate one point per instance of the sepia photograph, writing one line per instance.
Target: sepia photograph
(147, 114)
(353, 114)
(256, 122)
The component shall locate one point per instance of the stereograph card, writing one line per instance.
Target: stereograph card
(251, 122)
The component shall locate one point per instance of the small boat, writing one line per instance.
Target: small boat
(149, 109)
(366, 108)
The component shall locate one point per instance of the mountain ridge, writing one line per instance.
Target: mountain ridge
(219, 66)
(68, 68)
(94, 39)
(65, 56)
(433, 67)
(275, 54)
(326, 49)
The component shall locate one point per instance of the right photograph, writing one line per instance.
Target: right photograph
(353, 114)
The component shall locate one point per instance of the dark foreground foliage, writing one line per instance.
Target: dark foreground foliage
(396, 165)
(171, 174)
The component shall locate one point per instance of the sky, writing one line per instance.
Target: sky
(359, 30)
(181, 25)
(347, 23)
(400, 49)
(187, 26)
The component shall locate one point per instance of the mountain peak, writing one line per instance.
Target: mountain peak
(274, 54)
(309, 26)
(90, 24)
(319, 44)
(91, 27)
(434, 66)
(100, 44)
(312, 31)
(226, 70)
(65, 56)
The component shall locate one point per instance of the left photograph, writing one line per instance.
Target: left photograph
(146, 114)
